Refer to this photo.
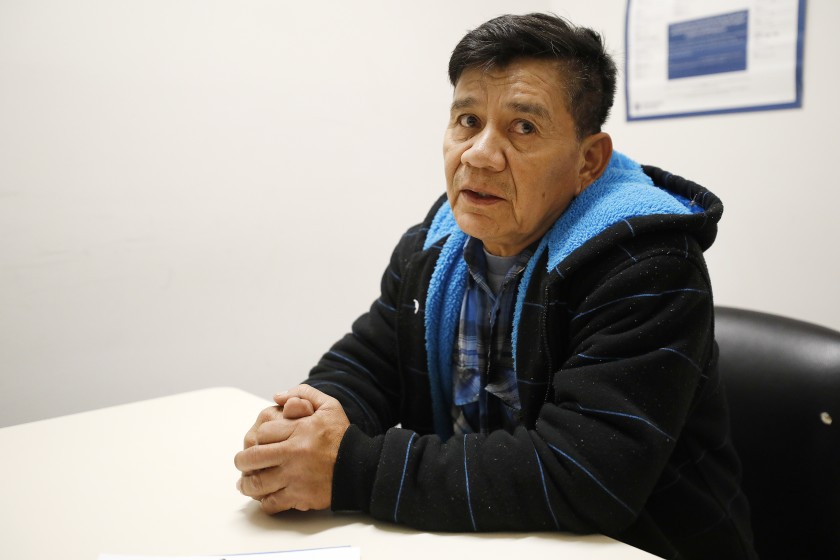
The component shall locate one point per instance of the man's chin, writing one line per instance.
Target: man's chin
(475, 224)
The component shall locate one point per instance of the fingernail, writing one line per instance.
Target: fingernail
(239, 484)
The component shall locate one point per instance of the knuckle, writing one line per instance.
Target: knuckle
(263, 431)
(271, 504)
(295, 450)
(267, 414)
(257, 484)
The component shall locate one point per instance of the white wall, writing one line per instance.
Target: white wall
(198, 193)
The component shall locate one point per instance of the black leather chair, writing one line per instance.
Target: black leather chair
(782, 379)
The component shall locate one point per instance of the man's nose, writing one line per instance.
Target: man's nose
(486, 151)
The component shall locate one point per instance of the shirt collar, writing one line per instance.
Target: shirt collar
(477, 261)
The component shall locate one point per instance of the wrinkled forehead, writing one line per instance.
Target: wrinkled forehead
(536, 80)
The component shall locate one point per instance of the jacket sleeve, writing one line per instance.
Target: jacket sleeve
(360, 370)
(639, 341)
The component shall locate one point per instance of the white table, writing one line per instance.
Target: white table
(157, 478)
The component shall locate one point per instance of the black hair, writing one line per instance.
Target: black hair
(589, 71)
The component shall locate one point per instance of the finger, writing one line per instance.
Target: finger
(275, 431)
(267, 415)
(283, 500)
(257, 457)
(250, 439)
(262, 483)
(296, 407)
(275, 503)
(305, 392)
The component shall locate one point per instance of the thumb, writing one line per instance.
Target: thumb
(296, 407)
(305, 392)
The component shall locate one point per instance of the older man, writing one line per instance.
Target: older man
(544, 337)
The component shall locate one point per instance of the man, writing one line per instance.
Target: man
(544, 337)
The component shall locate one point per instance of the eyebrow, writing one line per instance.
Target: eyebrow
(530, 109)
(534, 109)
(462, 103)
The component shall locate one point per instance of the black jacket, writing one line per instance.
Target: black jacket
(625, 424)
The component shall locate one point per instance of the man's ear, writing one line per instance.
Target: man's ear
(596, 151)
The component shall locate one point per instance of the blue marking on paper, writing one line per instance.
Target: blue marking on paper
(711, 45)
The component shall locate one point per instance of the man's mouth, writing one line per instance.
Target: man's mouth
(477, 197)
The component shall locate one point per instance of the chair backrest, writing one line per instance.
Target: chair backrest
(782, 379)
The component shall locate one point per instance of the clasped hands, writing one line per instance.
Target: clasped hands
(290, 452)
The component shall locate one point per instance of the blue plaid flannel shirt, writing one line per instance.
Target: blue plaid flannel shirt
(484, 381)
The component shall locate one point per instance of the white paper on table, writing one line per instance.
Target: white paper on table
(331, 553)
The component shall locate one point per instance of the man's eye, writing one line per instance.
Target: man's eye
(468, 121)
(524, 127)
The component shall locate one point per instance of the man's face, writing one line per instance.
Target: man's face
(512, 158)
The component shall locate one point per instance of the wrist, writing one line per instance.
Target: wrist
(355, 470)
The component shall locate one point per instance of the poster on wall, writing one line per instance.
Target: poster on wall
(685, 57)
